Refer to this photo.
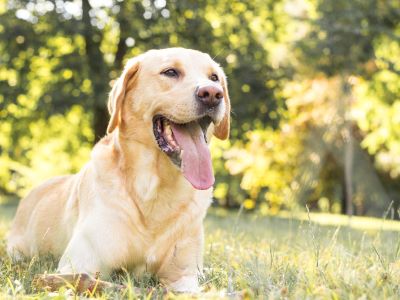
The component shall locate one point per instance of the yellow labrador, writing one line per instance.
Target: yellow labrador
(140, 201)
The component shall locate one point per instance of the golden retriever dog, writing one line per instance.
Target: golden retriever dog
(139, 203)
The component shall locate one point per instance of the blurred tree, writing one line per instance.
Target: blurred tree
(344, 39)
(344, 52)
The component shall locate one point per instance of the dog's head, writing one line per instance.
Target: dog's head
(173, 99)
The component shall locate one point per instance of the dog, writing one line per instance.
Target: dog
(139, 203)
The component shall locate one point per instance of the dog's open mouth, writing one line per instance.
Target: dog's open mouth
(186, 145)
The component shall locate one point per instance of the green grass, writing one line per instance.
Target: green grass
(313, 256)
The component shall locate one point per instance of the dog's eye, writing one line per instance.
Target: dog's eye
(214, 77)
(171, 73)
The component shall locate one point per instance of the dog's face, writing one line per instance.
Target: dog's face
(168, 99)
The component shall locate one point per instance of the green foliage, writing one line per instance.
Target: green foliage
(265, 163)
(344, 35)
(305, 78)
(47, 149)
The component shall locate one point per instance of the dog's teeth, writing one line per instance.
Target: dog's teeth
(174, 144)
(170, 139)
(168, 130)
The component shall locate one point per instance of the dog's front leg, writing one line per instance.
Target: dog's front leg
(95, 249)
(98, 245)
(181, 268)
(81, 256)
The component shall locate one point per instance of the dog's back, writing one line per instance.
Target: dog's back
(38, 222)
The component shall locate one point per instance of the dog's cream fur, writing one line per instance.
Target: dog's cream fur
(129, 206)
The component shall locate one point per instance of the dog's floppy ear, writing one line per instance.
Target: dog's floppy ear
(118, 92)
(221, 131)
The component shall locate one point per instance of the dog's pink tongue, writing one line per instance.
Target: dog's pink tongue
(196, 158)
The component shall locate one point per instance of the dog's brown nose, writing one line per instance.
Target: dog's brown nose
(209, 95)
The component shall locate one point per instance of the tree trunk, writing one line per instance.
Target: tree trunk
(348, 173)
(348, 148)
(100, 122)
(98, 73)
(98, 69)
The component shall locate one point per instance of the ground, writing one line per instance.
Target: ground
(295, 256)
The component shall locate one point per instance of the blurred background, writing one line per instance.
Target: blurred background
(314, 84)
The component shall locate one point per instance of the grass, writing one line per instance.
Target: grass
(313, 256)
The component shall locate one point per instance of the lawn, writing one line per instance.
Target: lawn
(300, 256)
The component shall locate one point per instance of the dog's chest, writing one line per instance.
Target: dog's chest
(167, 227)
(146, 183)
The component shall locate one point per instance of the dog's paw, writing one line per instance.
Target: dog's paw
(186, 284)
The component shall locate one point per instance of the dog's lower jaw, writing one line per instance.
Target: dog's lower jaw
(186, 284)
